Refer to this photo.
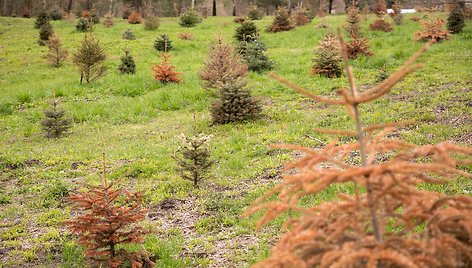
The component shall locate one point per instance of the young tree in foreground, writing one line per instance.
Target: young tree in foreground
(106, 221)
(391, 219)
(90, 58)
(164, 72)
(193, 157)
(56, 53)
(54, 124)
(223, 66)
(127, 66)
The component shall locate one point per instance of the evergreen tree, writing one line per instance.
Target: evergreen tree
(455, 20)
(234, 104)
(164, 72)
(84, 24)
(223, 66)
(193, 158)
(190, 19)
(54, 124)
(246, 31)
(163, 43)
(281, 21)
(254, 55)
(45, 31)
(90, 58)
(255, 14)
(151, 23)
(128, 35)
(353, 21)
(108, 20)
(43, 18)
(56, 53)
(127, 66)
(328, 58)
(397, 14)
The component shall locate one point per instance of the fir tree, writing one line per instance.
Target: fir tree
(108, 20)
(281, 21)
(254, 14)
(353, 21)
(105, 220)
(328, 58)
(193, 157)
(90, 58)
(380, 8)
(43, 18)
(84, 24)
(127, 66)
(255, 56)
(45, 31)
(164, 72)
(455, 20)
(128, 35)
(300, 18)
(246, 31)
(235, 104)
(151, 23)
(190, 19)
(56, 53)
(222, 66)
(54, 124)
(397, 14)
(163, 43)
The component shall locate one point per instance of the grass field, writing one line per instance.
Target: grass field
(134, 121)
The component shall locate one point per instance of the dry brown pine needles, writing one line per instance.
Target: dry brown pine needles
(392, 223)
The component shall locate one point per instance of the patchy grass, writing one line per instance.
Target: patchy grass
(134, 121)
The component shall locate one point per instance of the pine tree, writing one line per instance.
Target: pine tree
(128, 35)
(432, 30)
(255, 56)
(246, 31)
(151, 23)
(358, 46)
(127, 66)
(300, 18)
(328, 58)
(455, 20)
(380, 8)
(353, 21)
(106, 221)
(254, 14)
(164, 72)
(190, 19)
(235, 104)
(90, 58)
(84, 24)
(223, 66)
(281, 21)
(43, 18)
(108, 20)
(163, 43)
(45, 31)
(193, 157)
(56, 53)
(54, 124)
(397, 14)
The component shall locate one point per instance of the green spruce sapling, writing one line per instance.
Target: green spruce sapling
(54, 123)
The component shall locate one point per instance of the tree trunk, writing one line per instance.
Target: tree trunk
(234, 8)
(289, 6)
(193, 4)
(214, 8)
(330, 8)
(69, 6)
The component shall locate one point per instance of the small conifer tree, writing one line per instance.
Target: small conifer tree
(43, 18)
(90, 58)
(299, 17)
(108, 20)
(151, 23)
(190, 19)
(397, 12)
(281, 21)
(223, 66)
(54, 123)
(84, 24)
(163, 43)
(193, 157)
(56, 53)
(254, 13)
(327, 61)
(432, 30)
(353, 20)
(127, 66)
(128, 35)
(358, 46)
(45, 32)
(246, 31)
(380, 24)
(164, 72)
(456, 18)
(106, 221)
(134, 18)
(380, 8)
(255, 55)
(234, 104)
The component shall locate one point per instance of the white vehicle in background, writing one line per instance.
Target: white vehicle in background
(403, 11)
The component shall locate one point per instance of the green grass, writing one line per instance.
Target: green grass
(134, 121)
